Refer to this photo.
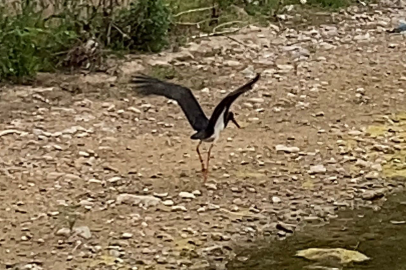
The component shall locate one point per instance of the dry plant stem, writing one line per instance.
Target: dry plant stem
(241, 43)
(197, 24)
(226, 23)
(236, 40)
(193, 10)
(218, 33)
(120, 31)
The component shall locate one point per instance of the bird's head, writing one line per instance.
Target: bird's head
(230, 117)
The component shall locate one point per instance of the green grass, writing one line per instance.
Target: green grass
(27, 42)
(164, 73)
(330, 4)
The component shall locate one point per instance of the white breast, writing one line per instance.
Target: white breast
(218, 127)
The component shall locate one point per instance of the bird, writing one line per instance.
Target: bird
(206, 130)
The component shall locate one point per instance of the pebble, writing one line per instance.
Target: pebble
(232, 63)
(281, 233)
(253, 119)
(284, 68)
(201, 209)
(95, 181)
(176, 208)
(134, 110)
(372, 175)
(137, 199)
(63, 232)
(161, 195)
(205, 90)
(168, 203)
(363, 163)
(186, 195)
(287, 149)
(82, 231)
(354, 132)
(211, 186)
(147, 251)
(373, 194)
(24, 238)
(126, 235)
(317, 169)
(276, 199)
(114, 179)
(327, 46)
(84, 154)
(238, 202)
(256, 100)
(212, 206)
(114, 253)
(400, 222)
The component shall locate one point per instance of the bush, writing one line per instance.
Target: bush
(144, 26)
(333, 4)
(27, 44)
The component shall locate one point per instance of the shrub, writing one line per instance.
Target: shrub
(144, 26)
(333, 4)
(27, 44)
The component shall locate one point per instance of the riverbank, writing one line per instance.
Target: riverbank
(320, 135)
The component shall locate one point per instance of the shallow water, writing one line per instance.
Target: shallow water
(380, 235)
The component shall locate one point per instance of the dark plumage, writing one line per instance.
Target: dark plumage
(151, 86)
(207, 130)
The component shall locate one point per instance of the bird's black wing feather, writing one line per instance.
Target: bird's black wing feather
(230, 98)
(146, 85)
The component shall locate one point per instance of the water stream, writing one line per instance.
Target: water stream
(380, 235)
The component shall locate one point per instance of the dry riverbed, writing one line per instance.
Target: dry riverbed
(92, 177)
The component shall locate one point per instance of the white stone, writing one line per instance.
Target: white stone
(186, 195)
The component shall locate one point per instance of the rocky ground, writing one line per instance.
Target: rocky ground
(93, 177)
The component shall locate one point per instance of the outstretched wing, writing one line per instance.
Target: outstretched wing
(230, 98)
(146, 85)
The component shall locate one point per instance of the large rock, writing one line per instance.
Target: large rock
(344, 256)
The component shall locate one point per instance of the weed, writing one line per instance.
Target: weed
(330, 4)
(68, 216)
(143, 26)
(28, 43)
(163, 72)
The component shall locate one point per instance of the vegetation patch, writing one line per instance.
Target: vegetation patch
(45, 35)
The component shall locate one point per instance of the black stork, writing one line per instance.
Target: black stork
(207, 130)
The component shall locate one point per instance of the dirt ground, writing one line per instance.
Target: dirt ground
(73, 146)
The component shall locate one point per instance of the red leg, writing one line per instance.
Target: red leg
(200, 157)
(208, 160)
